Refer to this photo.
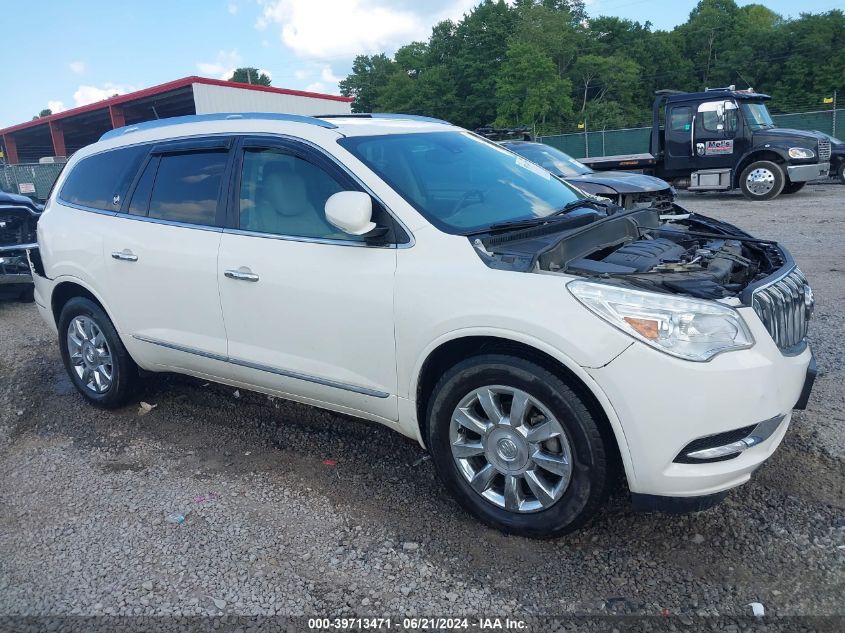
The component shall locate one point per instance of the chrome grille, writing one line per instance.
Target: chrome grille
(785, 307)
(824, 150)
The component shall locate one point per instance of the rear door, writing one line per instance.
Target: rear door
(161, 258)
(680, 143)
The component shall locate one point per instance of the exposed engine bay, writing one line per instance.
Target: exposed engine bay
(651, 249)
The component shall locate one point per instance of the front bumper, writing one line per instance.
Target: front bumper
(663, 404)
(803, 173)
(14, 266)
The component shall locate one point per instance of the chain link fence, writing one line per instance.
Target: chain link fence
(636, 140)
(30, 179)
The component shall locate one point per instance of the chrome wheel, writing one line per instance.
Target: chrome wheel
(760, 181)
(510, 449)
(90, 356)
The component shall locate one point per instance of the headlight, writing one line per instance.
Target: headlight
(687, 328)
(801, 152)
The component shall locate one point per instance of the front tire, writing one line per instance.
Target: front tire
(762, 180)
(517, 447)
(94, 356)
(840, 173)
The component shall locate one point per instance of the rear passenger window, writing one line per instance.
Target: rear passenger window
(101, 181)
(187, 187)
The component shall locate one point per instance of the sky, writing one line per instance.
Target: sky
(59, 55)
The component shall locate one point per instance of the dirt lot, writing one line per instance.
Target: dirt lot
(291, 510)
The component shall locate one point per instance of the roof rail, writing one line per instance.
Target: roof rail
(730, 88)
(383, 115)
(221, 116)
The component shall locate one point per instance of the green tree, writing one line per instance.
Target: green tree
(369, 76)
(43, 113)
(481, 44)
(250, 75)
(530, 92)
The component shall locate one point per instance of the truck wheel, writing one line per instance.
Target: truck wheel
(793, 187)
(94, 356)
(517, 447)
(762, 180)
(840, 173)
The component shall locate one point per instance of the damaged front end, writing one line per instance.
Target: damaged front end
(18, 220)
(670, 252)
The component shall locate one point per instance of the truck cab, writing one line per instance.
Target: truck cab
(725, 138)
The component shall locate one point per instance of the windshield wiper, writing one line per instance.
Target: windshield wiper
(578, 204)
(529, 222)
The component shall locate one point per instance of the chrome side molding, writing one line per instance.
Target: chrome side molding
(266, 368)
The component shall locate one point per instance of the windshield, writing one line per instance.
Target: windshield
(757, 116)
(551, 158)
(460, 182)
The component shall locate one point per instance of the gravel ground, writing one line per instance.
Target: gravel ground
(291, 510)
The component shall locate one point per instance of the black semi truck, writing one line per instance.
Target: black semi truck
(723, 139)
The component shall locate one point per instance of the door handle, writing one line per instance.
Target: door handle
(241, 275)
(125, 255)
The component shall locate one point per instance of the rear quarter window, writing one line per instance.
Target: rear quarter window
(101, 181)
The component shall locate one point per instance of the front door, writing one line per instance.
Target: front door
(161, 259)
(716, 125)
(308, 309)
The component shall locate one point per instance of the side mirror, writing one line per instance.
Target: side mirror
(351, 212)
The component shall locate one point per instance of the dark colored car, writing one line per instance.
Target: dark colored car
(18, 217)
(837, 158)
(627, 189)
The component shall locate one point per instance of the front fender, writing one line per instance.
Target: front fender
(412, 426)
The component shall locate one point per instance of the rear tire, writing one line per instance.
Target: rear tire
(94, 356)
(793, 187)
(762, 180)
(541, 474)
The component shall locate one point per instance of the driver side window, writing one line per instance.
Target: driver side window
(719, 117)
(284, 194)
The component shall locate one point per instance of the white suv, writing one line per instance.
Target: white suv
(406, 271)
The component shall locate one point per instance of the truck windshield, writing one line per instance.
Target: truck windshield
(551, 158)
(757, 116)
(460, 182)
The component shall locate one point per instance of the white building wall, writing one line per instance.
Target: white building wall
(209, 99)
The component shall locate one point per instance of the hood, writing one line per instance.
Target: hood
(620, 181)
(784, 135)
(15, 200)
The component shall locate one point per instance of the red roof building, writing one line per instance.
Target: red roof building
(63, 133)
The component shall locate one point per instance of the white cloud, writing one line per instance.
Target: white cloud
(317, 86)
(77, 67)
(327, 29)
(91, 94)
(327, 75)
(56, 106)
(224, 65)
(233, 8)
(302, 74)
